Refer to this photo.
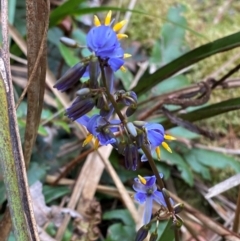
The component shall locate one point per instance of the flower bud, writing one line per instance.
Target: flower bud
(79, 108)
(130, 110)
(153, 236)
(142, 233)
(139, 123)
(109, 78)
(94, 71)
(133, 95)
(166, 193)
(177, 222)
(69, 42)
(83, 92)
(178, 208)
(131, 156)
(132, 129)
(71, 77)
(139, 139)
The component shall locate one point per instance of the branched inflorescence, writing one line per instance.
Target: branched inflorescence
(127, 137)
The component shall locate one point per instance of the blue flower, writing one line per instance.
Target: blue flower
(99, 128)
(156, 136)
(103, 41)
(146, 192)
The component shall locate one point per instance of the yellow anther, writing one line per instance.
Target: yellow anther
(121, 36)
(87, 140)
(119, 25)
(126, 56)
(123, 69)
(168, 137)
(96, 144)
(96, 21)
(108, 18)
(142, 179)
(166, 146)
(158, 152)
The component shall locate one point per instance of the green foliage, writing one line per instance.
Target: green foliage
(166, 231)
(207, 111)
(223, 44)
(120, 231)
(52, 193)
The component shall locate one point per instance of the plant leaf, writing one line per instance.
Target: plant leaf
(194, 56)
(121, 214)
(168, 232)
(207, 111)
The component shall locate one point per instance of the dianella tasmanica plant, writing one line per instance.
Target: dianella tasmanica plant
(128, 138)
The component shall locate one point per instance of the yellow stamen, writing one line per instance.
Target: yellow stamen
(119, 25)
(96, 144)
(126, 56)
(142, 179)
(166, 146)
(96, 21)
(108, 18)
(121, 36)
(168, 137)
(123, 69)
(87, 140)
(158, 152)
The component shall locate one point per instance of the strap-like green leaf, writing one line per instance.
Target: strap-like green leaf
(200, 53)
(207, 112)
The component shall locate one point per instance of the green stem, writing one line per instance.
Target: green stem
(176, 234)
(111, 98)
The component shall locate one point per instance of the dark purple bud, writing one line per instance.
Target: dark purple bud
(69, 42)
(79, 108)
(106, 111)
(71, 77)
(178, 208)
(153, 236)
(142, 233)
(109, 78)
(139, 139)
(132, 95)
(131, 157)
(130, 110)
(129, 98)
(94, 70)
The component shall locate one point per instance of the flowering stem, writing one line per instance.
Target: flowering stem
(159, 179)
(111, 98)
(176, 234)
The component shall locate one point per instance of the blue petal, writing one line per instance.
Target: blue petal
(83, 120)
(151, 181)
(92, 124)
(115, 63)
(148, 210)
(105, 139)
(139, 187)
(140, 197)
(102, 39)
(144, 158)
(155, 134)
(158, 197)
